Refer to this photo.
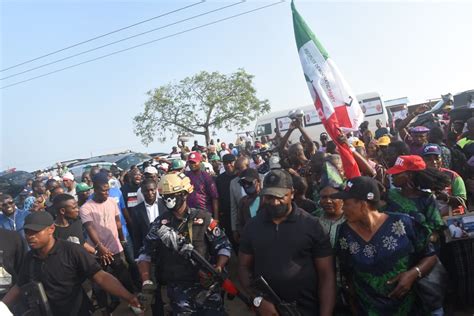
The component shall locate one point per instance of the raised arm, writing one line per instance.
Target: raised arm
(404, 123)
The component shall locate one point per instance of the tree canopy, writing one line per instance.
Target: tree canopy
(198, 104)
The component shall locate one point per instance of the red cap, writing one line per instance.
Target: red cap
(195, 157)
(407, 163)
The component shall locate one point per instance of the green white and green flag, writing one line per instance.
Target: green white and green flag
(335, 103)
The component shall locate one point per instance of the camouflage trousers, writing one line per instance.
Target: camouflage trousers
(195, 300)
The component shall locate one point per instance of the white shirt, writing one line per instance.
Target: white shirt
(152, 210)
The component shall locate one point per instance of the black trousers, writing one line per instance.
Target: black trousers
(118, 269)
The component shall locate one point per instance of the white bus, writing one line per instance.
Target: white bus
(371, 104)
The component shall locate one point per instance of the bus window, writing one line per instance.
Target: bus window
(283, 123)
(264, 129)
(311, 117)
(372, 106)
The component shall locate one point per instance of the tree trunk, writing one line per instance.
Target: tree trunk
(208, 137)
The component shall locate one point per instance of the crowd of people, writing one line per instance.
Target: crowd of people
(394, 241)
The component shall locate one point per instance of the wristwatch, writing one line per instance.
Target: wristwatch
(257, 301)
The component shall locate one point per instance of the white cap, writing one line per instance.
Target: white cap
(151, 170)
(275, 162)
(68, 176)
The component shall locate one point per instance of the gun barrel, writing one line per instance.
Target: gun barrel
(267, 288)
(227, 285)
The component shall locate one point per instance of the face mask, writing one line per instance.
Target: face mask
(173, 203)
(276, 211)
(250, 190)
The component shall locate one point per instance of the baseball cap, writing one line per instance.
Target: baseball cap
(277, 183)
(151, 170)
(407, 163)
(357, 142)
(214, 157)
(360, 188)
(68, 176)
(431, 149)
(100, 178)
(228, 158)
(38, 221)
(82, 187)
(274, 162)
(195, 157)
(177, 164)
(419, 129)
(383, 141)
(249, 175)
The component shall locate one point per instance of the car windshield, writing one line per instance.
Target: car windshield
(133, 159)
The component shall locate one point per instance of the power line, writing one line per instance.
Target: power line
(146, 43)
(103, 35)
(121, 40)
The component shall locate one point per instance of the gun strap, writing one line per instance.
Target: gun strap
(190, 231)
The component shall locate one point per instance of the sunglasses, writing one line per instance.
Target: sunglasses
(8, 202)
(245, 183)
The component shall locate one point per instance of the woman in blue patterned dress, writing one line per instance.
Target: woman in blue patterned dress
(381, 255)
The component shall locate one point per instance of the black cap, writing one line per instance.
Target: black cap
(277, 183)
(360, 188)
(38, 221)
(249, 175)
(100, 178)
(228, 158)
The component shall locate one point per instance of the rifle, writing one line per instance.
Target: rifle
(172, 240)
(283, 308)
(36, 300)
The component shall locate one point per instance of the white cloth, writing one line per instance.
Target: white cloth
(152, 210)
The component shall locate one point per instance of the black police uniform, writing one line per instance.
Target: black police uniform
(180, 275)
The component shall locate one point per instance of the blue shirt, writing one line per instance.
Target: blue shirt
(116, 194)
(15, 221)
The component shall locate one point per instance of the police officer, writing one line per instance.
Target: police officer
(186, 284)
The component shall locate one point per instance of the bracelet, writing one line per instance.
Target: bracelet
(419, 272)
(98, 245)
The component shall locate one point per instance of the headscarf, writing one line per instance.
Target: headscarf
(29, 202)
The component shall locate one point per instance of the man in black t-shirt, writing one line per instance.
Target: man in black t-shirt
(61, 267)
(68, 224)
(12, 252)
(289, 248)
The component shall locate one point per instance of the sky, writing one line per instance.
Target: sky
(418, 49)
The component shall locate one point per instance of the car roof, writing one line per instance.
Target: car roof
(105, 158)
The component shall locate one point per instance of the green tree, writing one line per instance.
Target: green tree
(198, 104)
